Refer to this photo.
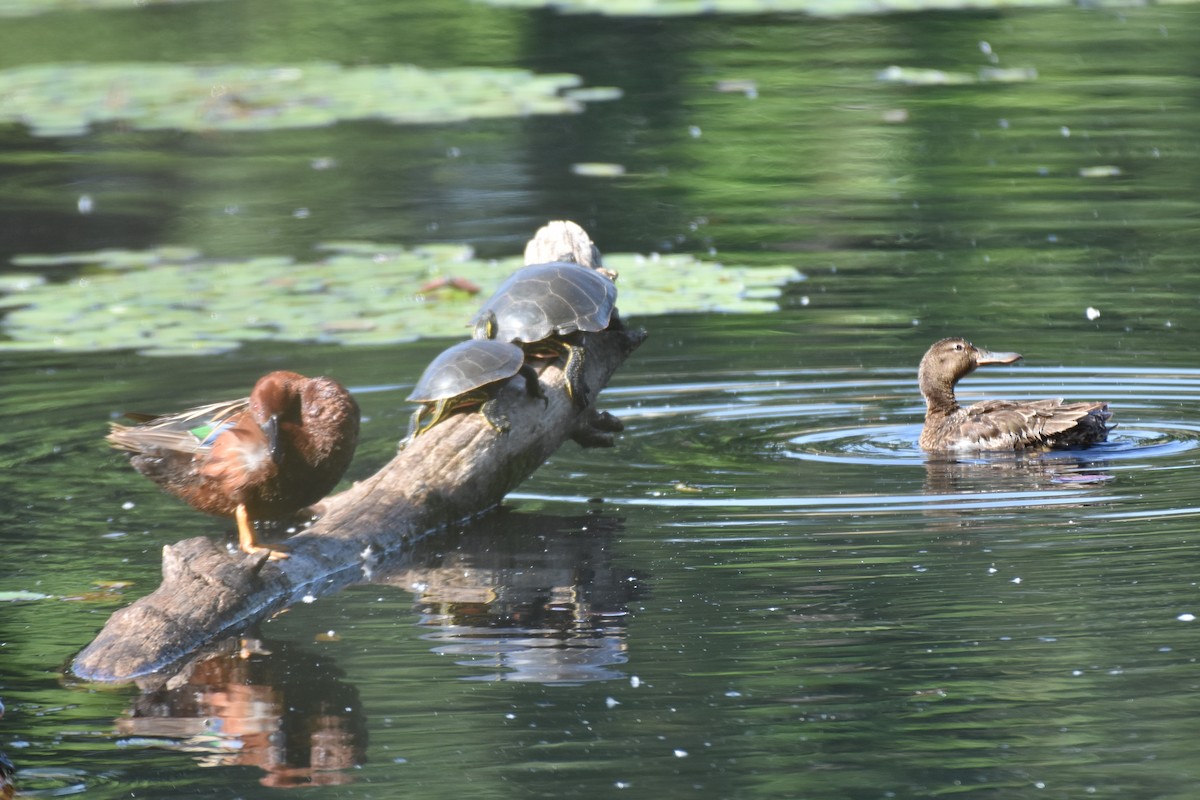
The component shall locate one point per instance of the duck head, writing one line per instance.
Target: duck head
(946, 363)
(314, 417)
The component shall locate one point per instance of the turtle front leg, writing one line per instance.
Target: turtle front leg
(533, 386)
(248, 543)
(494, 417)
(577, 388)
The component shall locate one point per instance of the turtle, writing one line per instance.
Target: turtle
(543, 308)
(467, 375)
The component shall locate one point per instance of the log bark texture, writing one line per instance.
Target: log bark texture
(458, 469)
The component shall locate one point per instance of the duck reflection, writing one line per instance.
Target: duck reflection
(275, 707)
(527, 597)
(7, 770)
(1058, 469)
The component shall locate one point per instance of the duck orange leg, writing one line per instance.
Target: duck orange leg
(246, 539)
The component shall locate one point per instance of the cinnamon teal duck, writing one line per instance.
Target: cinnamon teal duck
(262, 457)
(997, 424)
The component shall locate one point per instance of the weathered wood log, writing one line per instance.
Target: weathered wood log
(456, 470)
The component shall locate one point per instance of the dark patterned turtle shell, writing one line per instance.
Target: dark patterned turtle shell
(465, 367)
(545, 300)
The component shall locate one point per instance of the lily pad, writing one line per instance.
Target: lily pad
(27, 8)
(912, 76)
(21, 596)
(68, 99)
(171, 302)
(820, 8)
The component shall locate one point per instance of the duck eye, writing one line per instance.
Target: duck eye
(958, 346)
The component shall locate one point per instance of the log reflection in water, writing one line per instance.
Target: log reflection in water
(531, 597)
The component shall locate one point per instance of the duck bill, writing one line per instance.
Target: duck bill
(274, 441)
(985, 357)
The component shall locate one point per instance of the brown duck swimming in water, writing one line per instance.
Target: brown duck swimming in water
(997, 424)
(263, 457)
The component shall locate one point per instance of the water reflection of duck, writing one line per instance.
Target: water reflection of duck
(970, 479)
(997, 424)
(262, 457)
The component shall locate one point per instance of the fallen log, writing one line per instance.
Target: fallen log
(457, 470)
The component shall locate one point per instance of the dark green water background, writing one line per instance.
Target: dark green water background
(780, 596)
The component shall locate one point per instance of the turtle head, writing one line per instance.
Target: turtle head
(486, 326)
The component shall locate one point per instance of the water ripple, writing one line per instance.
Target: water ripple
(811, 442)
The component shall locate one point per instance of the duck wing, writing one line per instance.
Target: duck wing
(1011, 424)
(191, 432)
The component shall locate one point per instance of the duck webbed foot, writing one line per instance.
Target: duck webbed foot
(248, 541)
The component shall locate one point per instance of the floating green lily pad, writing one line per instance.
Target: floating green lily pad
(821, 8)
(28, 8)
(171, 302)
(67, 99)
(21, 596)
(913, 76)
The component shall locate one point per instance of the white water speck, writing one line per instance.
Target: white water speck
(680, 753)
(612, 702)
(694, 131)
(1015, 580)
(85, 204)
(635, 681)
(1065, 131)
(128, 504)
(622, 784)
(308, 598)
(1185, 617)
(1092, 312)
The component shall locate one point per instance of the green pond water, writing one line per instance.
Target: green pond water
(765, 590)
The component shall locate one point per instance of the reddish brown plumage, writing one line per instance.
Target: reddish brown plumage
(262, 457)
(997, 424)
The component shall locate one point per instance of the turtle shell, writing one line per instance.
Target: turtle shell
(544, 300)
(467, 365)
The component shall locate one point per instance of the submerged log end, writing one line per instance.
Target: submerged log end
(204, 588)
(111, 658)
